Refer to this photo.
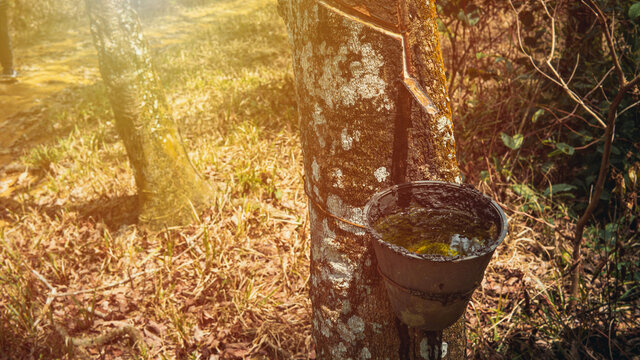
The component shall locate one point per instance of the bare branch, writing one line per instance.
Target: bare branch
(48, 301)
(521, 45)
(631, 84)
(553, 31)
(629, 107)
(574, 96)
(599, 82)
(555, 77)
(609, 37)
(598, 187)
(43, 280)
(575, 68)
(105, 287)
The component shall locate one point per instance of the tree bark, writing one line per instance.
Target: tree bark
(169, 187)
(374, 111)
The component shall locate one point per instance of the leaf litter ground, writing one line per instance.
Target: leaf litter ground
(232, 285)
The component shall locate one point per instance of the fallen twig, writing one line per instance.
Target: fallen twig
(98, 340)
(47, 303)
(105, 287)
(105, 338)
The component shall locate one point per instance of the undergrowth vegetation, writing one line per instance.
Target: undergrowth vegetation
(74, 264)
(73, 261)
(532, 83)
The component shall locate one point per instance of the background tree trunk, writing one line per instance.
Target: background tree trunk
(169, 188)
(373, 111)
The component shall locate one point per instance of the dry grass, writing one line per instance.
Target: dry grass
(233, 284)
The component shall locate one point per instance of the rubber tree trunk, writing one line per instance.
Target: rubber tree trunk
(169, 188)
(373, 111)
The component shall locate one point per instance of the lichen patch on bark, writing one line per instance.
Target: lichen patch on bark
(353, 214)
(381, 174)
(364, 81)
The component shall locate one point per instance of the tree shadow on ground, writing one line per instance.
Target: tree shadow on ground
(113, 212)
(47, 122)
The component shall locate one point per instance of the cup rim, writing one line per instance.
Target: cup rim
(431, 257)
